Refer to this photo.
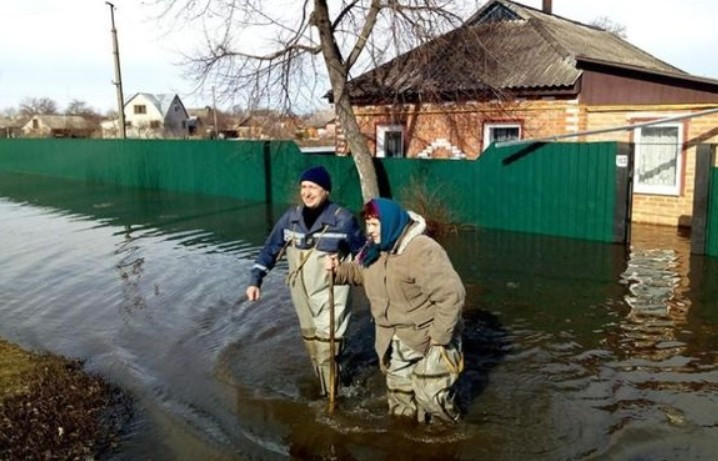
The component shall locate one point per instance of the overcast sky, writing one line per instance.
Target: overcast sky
(62, 49)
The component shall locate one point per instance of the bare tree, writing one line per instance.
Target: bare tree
(38, 106)
(316, 41)
(77, 107)
(607, 24)
(9, 112)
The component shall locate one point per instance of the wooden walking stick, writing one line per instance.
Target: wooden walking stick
(332, 358)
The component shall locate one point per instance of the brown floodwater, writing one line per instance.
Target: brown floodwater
(574, 350)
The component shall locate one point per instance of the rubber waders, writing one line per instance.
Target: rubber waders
(332, 346)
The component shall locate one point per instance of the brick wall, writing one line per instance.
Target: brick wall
(445, 131)
(659, 209)
(456, 131)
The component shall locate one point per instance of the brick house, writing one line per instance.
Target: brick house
(515, 72)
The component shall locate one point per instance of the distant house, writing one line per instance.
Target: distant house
(321, 125)
(10, 127)
(153, 116)
(58, 126)
(267, 124)
(201, 122)
(514, 72)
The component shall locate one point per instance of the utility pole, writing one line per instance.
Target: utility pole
(118, 74)
(214, 111)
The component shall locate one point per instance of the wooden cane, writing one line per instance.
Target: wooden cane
(332, 358)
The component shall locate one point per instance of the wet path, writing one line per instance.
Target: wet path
(575, 350)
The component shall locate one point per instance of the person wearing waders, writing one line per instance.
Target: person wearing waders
(308, 234)
(416, 300)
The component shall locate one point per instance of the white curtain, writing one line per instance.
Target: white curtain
(659, 151)
(501, 134)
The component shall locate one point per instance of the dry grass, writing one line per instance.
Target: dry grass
(51, 409)
(417, 197)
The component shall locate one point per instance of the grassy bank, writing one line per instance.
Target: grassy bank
(51, 409)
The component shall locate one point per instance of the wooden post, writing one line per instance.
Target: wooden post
(624, 193)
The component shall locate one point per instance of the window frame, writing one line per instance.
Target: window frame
(140, 109)
(486, 140)
(381, 131)
(649, 189)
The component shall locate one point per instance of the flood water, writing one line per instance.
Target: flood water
(574, 350)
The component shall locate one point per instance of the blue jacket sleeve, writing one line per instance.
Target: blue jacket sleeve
(355, 236)
(267, 257)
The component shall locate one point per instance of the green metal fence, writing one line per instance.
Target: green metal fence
(704, 226)
(566, 189)
(712, 222)
(578, 190)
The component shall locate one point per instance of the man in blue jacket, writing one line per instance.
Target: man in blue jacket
(309, 234)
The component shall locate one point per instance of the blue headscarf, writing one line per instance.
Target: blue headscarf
(393, 219)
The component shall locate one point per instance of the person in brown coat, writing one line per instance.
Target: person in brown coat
(416, 300)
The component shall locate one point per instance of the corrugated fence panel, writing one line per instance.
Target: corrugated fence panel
(285, 166)
(712, 218)
(563, 189)
(231, 169)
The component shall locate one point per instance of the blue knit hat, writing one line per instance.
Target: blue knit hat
(318, 175)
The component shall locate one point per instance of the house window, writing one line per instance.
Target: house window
(501, 132)
(140, 109)
(35, 124)
(154, 124)
(390, 141)
(659, 159)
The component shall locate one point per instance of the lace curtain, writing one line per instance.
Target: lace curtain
(658, 161)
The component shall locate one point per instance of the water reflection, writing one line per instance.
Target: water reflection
(130, 270)
(574, 350)
(656, 308)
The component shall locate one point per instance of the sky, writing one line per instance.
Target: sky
(62, 49)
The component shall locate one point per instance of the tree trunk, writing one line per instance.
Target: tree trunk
(359, 148)
(338, 75)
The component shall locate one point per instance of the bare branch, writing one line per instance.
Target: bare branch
(343, 13)
(364, 35)
(278, 55)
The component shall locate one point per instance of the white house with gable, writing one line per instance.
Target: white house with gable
(152, 116)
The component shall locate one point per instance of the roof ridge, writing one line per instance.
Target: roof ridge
(553, 15)
(538, 26)
(520, 10)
